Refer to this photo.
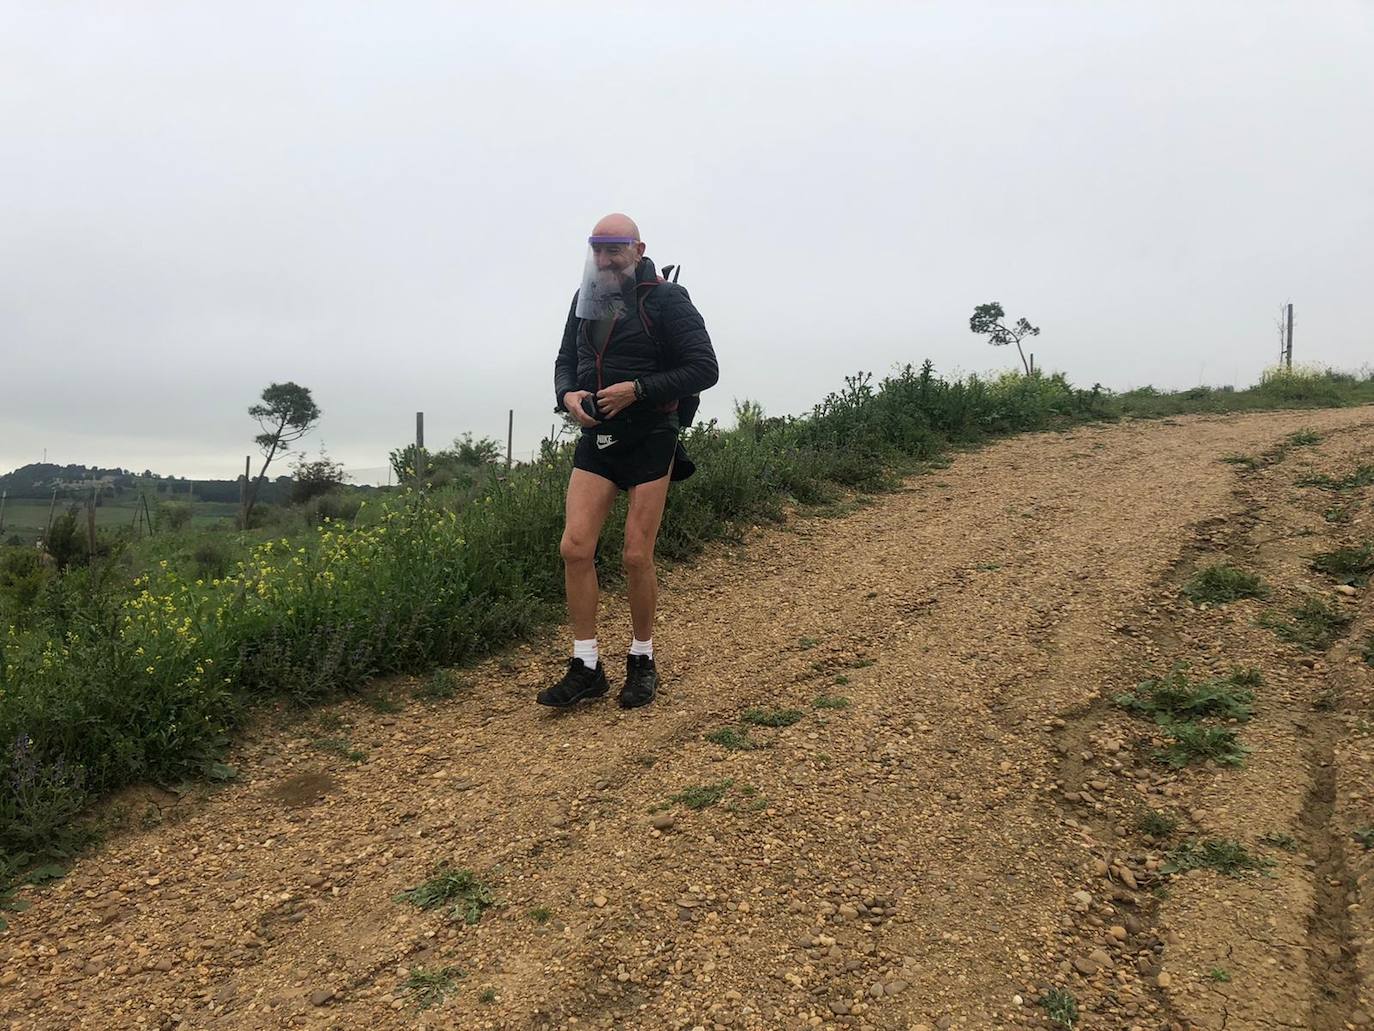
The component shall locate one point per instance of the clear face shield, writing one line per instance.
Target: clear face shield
(608, 281)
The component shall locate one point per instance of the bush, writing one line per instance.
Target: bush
(173, 516)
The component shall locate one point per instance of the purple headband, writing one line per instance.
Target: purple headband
(611, 239)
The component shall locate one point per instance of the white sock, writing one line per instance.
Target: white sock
(638, 647)
(587, 652)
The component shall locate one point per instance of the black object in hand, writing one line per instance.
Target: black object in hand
(589, 406)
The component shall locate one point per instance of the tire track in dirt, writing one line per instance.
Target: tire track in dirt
(911, 866)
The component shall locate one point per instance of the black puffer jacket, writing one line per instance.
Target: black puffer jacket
(676, 361)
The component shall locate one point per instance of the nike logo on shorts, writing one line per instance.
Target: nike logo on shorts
(603, 441)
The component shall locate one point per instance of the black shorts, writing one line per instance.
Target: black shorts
(630, 452)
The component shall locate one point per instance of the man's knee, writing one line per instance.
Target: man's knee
(638, 556)
(576, 549)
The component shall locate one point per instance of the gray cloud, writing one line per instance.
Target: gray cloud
(388, 203)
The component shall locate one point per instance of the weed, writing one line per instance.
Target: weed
(459, 891)
(807, 643)
(1327, 699)
(1304, 437)
(1060, 1007)
(702, 796)
(338, 746)
(732, 738)
(862, 663)
(1277, 840)
(1349, 565)
(1245, 676)
(428, 987)
(841, 680)
(1315, 625)
(1361, 476)
(1219, 975)
(1174, 698)
(1219, 854)
(379, 702)
(1156, 824)
(823, 758)
(329, 721)
(1249, 461)
(1339, 514)
(487, 995)
(1365, 837)
(773, 717)
(1192, 742)
(440, 686)
(540, 914)
(1220, 583)
(829, 701)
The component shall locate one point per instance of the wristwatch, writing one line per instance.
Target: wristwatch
(639, 390)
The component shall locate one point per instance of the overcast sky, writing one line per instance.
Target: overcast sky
(388, 203)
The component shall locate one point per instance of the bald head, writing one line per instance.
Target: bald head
(617, 225)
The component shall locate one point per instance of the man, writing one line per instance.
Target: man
(633, 348)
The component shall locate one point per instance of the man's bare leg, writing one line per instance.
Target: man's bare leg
(641, 534)
(589, 501)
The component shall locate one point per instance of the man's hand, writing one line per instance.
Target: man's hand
(572, 401)
(615, 399)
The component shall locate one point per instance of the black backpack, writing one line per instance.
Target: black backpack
(686, 406)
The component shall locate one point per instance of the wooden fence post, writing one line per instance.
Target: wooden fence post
(510, 435)
(419, 450)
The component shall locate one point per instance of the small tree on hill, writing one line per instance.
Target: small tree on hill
(287, 413)
(988, 319)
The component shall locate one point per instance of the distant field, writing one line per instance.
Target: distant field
(27, 517)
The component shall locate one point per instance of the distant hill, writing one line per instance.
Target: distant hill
(38, 479)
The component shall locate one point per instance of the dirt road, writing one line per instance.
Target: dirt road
(955, 843)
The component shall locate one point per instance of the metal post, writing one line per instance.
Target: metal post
(510, 435)
(90, 524)
(419, 450)
(1289, 349)
(3, 495)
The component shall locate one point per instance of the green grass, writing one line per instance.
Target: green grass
(1219, 854)
(1192, 742)
(1156, 824)
(1221, 583)
(1314, 625)
(540, 914)
(338, 746)
(457, 891)
(1304, 437)
(827, 701)
(773, 717)
(428, 987)
(379, 701)
(1174, 698)
(487, 996)
(1219, 975)
(1360, 476)
(807, 643)
(733, 738)
(1364, 837)
(1339, 513)
(702, 796)
(1249, 461)
(1348, 565)
(1061, 1008)
(440, 685)
(1280, 840)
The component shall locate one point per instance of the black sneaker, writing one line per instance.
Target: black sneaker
(578, 684)
(641, 682)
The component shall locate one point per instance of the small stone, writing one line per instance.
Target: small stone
(319, 998)
(663, 822)
(164, 964)
(313, 880)
(840, 1009)
(1086, 965)
(1127, 878)
(1118, 932)
(8, 978)
(599, 901)
(1162, 979)
(875, 990)
(1347, 590)
(1099, 868)
(1083, 898)
(1100, 958)
(895, 987)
